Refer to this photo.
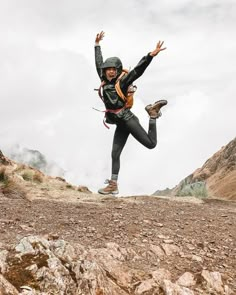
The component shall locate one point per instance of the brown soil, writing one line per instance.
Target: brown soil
(200, 229)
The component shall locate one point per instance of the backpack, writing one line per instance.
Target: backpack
(129, 98)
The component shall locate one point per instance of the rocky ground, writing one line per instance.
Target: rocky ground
(56, 238)
(177, 235)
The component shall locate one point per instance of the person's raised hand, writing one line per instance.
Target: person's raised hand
(99, 37)
(158, 48)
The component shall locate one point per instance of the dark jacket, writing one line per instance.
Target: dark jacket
(111, 98)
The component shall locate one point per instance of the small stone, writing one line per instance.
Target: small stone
(163, 237)
(190, 247)
(160, 275)
(157, 251)
(213, 280)
(170, 249)
(197, 258)
(145, 286)
(168, 241)
(170, 288)
(26, 288)
(186, 280)
(159, 224)
(25, 227)
(147, 221)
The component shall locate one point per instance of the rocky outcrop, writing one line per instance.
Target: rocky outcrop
(23, 181)
(216, 178)
(4, 160)
(34, 159)
(39, 265)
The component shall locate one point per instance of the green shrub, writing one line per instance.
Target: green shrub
(13, 190)
(69, 186)
(28, 175)
(196, 189)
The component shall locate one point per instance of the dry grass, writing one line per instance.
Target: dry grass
(32, 175)
(3, 175)
(10, 188)
(20, 167)
(13, 190)
(38, 177)
(70, 186)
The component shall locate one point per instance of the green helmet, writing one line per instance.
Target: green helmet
(113, 62)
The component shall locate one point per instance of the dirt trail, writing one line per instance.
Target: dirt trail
(205, 231)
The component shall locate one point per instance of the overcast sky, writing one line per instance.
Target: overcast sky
(47, 77)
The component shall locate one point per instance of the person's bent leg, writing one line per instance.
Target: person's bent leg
(149, 139)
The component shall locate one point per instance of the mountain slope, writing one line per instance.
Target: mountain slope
(34, 159)
(216, 178)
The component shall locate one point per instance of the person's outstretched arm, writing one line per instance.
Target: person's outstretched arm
(98, 53)
(141, 66)
(157, 49)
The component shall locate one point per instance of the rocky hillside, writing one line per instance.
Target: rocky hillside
(216, 178)
(17, 179)
(34, 159)
(56, 238)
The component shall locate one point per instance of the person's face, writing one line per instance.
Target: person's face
(110, 73)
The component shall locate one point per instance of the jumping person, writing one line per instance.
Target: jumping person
(117, 110)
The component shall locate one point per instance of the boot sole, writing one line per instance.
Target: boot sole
(162, 101)
(111, 193)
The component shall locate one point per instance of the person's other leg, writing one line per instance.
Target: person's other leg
(148, 139)
(120, 137)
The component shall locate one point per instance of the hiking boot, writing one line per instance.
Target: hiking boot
(153, 110)
(111, 188)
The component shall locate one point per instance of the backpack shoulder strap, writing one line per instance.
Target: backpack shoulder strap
(117, 85)
(100, 90)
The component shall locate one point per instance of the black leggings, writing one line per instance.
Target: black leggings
(122, 132)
